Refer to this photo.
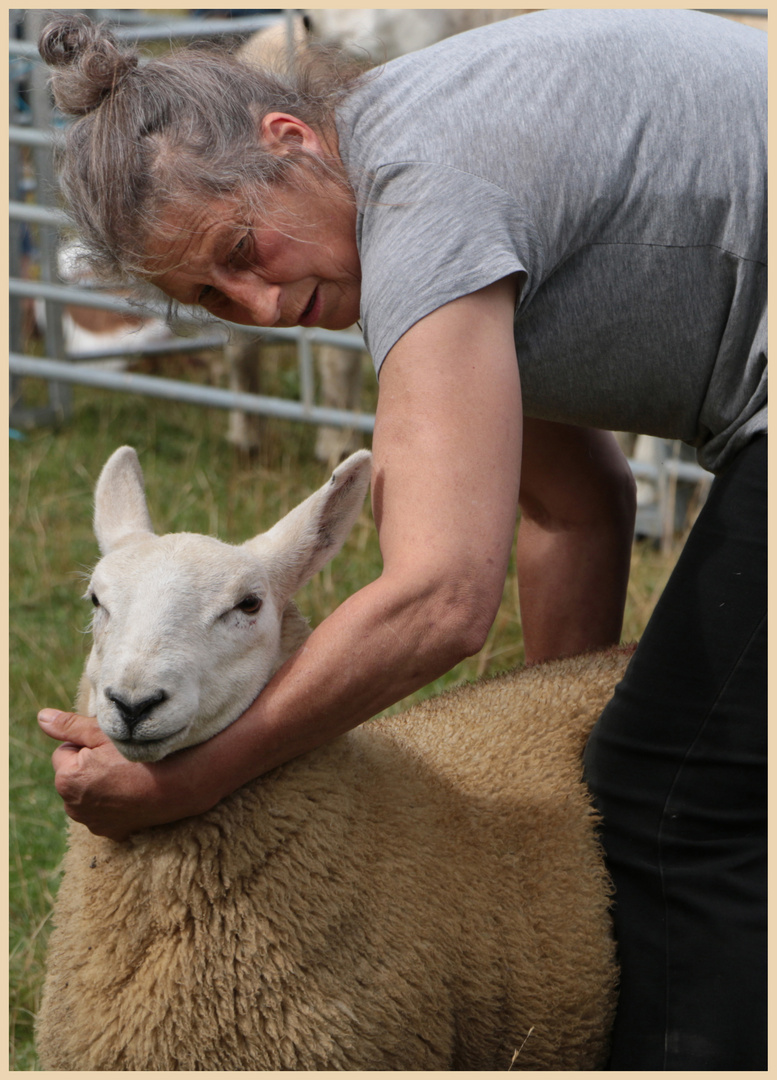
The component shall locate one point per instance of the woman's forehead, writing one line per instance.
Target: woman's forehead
(196, 220)
(186, 235)
(188, 225)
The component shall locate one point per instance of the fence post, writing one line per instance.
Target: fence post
(59, 394)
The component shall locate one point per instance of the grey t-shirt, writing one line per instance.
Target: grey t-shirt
(617, 159)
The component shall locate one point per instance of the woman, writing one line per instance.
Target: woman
(549, 227)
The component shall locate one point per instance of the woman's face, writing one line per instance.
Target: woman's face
(298, 266)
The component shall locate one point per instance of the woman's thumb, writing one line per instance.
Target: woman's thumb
(70, 727)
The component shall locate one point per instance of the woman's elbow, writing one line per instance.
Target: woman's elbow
(465, 615)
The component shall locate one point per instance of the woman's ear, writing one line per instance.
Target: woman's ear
(283, 133)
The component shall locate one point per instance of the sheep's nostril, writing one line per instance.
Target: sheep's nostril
(132, 712)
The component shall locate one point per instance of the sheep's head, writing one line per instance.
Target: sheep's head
(187, 629)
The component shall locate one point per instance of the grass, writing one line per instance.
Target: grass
(195, 481)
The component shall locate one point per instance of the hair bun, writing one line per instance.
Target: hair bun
(89, 61)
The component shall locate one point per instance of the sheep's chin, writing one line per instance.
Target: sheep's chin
(154, 750)
(149, 750)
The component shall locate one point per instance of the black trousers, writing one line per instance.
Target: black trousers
(677, 765)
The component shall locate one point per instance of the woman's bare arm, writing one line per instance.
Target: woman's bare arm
(446, 472)
(578, 501)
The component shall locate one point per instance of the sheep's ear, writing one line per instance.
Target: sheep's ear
(119, 501)
(311, 534)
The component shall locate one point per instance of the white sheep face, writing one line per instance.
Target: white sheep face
(173, 614)
(187, 629)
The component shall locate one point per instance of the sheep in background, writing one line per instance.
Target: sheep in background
(95, 330)
(385, 33)
(340, 375)
(425, 892)
(375, 34)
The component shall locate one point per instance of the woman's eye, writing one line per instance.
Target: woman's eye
(240, 252)
(249, 604)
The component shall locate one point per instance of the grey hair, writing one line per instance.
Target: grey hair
(179, 127)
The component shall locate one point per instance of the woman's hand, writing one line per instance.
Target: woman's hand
(113, 796)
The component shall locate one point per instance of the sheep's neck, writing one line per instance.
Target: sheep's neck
(295, 630)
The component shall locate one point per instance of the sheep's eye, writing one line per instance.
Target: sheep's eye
(249, 604)
(93, 598)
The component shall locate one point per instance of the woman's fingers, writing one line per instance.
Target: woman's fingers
(71, 728)
(113, 796)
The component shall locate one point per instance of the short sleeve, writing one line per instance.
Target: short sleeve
(429, 234)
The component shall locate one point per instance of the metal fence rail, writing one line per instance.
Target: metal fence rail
(177, 390)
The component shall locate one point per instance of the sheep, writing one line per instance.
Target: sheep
(91, 330)
(424, 892)
(340, 376)
(376, 35)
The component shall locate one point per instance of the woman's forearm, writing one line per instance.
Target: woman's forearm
(376, 648)
(572, 590)
(446, 469)
(578, 502)
(380, 645)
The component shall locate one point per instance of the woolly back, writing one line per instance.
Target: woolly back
(435, 873)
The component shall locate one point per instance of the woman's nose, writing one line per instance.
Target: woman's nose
(260, 301)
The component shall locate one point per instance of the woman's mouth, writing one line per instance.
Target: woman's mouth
(310, 315)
